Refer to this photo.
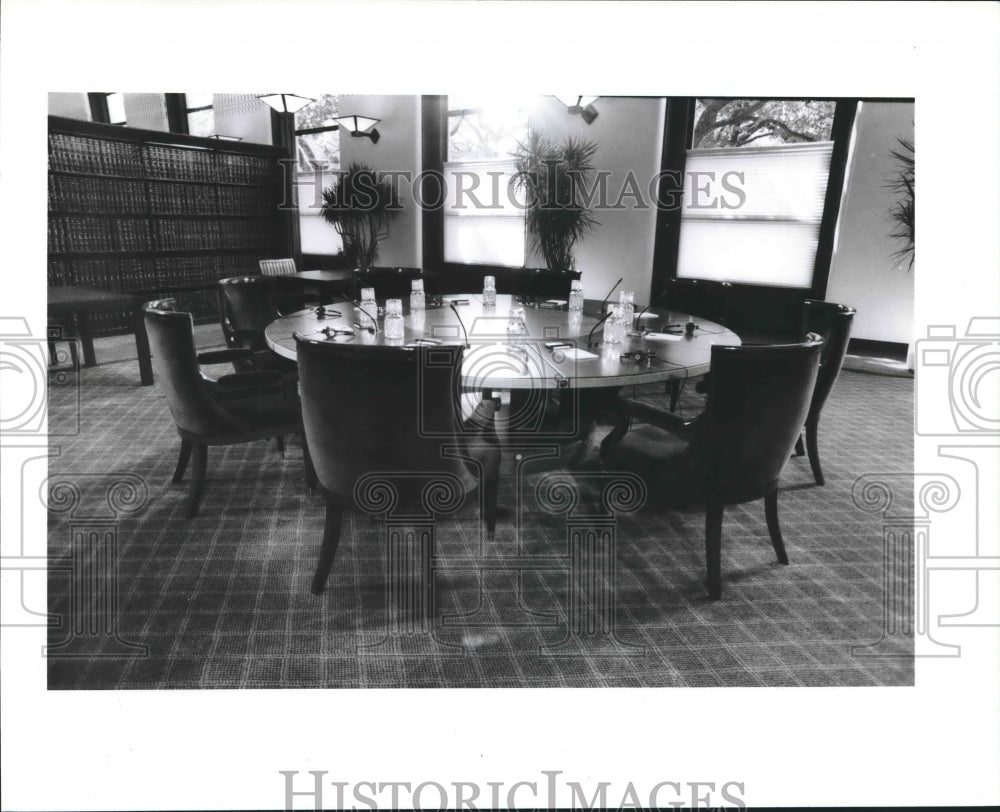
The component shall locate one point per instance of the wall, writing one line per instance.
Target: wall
(629, 134)
(398, 150)
(864, 273)
(69, 105)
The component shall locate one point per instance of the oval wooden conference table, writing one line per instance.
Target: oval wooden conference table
(491, 364)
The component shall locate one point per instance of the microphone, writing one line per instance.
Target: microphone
(609, 294)
(462, 323)
(374, 327)
(604, 318)
(654, 301)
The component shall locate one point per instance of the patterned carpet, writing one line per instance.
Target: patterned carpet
(143, 598)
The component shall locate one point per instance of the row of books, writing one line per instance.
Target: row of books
(150, 274)
(96, 156)
(71, 234)
(69, 193)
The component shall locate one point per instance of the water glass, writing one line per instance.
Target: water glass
(369, 308)
(627, 300)
(393, 318)
(612, 326)
(576, 295)
(517, 328)
(417, 294)
(489, 292)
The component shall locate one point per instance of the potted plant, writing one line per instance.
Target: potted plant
(902, 211)
(359, 205)
(552, 177)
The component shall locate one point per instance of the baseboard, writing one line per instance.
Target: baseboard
(881, 349)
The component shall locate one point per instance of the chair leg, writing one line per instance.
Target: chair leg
(799, 448)
(713, 549)
(491, 490)
(280, 441)
(200, 453)
(676, 384)
(771, 512)
(813, 448)
(331, 538)
(182, 461)
(310, 468)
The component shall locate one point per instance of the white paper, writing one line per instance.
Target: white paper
(662, 337)
(648, 315)
(573, 353)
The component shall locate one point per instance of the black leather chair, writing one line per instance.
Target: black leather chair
(538, 284)
(247, 304)
(391, 412)
(237, 408)
(704, 298)
(389, 283)
(734, 452)
(833, 322)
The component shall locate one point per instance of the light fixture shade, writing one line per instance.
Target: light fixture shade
(357, 124)
(577, 101)
(285, 102)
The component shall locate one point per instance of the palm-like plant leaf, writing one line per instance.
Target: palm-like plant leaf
(552, 177)
(902, 211)
(359, 204)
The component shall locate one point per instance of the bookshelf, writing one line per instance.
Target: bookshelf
(159, 214)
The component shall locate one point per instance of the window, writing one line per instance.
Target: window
(755, 185)
(317, 152)
(482, 226)
(199, 113)
(116, 108)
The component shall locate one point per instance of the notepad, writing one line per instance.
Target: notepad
(662, 337)
(574, 354)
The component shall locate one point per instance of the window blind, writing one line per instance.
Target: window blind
(482, 225)
(752, 214)
(315, 234)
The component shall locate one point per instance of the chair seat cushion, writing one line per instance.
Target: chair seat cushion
(261, 411)
(658, 457)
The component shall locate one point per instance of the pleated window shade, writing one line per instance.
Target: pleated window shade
(316, 235)
(767, 236)
(483, 214)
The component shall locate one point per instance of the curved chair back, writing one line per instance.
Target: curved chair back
(543, 283)
(389, 283)
(698, 297)
(277, 267)
(833, 322)
(246, 307)
(379, 409)
(175, 360)
(757, 402)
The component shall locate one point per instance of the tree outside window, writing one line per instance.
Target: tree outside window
(760, 122)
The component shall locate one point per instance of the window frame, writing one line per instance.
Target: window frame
(450, 275)
(314, 261)
(678, 133)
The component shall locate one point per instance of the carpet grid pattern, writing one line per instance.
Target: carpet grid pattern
(223, 600)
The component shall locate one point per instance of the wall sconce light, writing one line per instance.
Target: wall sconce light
(285, 102)
(219, 137)
(582, 106)
(360, 126)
